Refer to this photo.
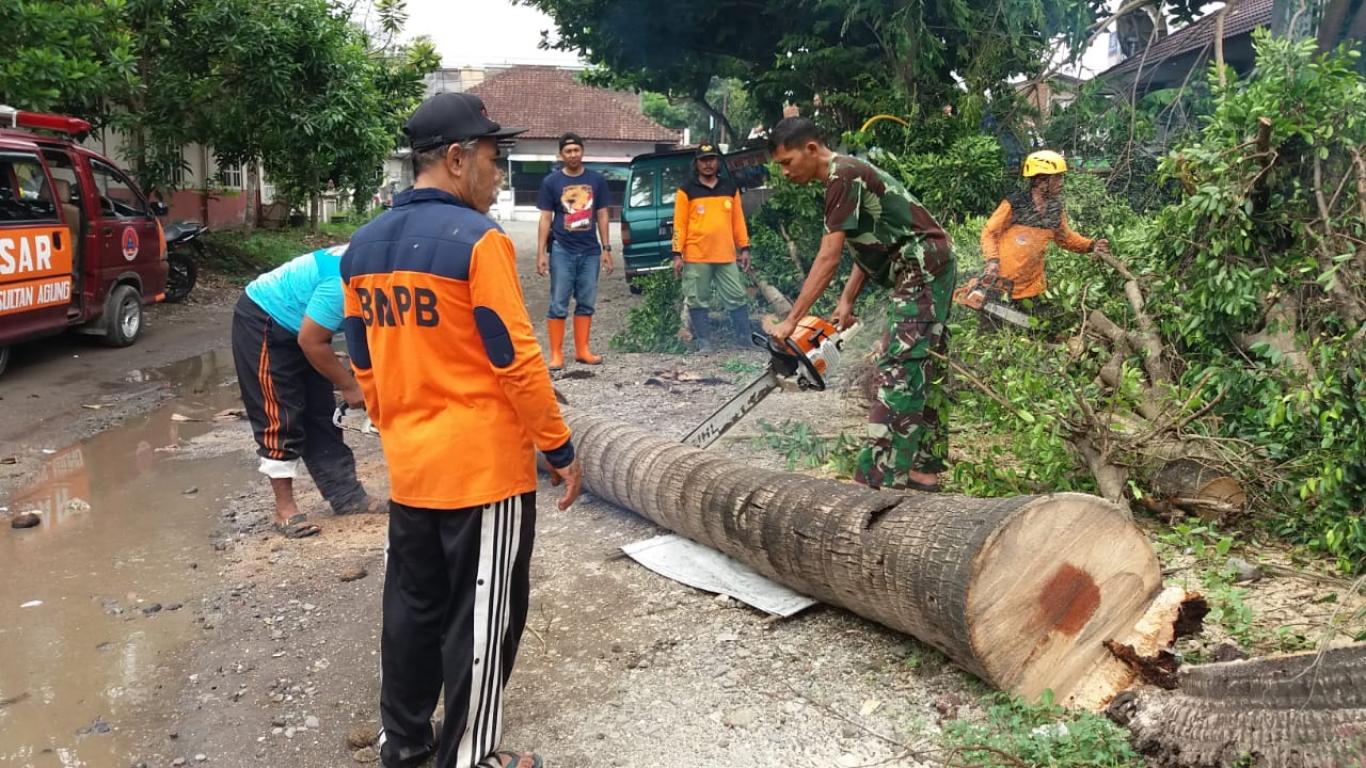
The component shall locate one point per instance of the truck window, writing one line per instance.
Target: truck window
(671, 177)
(24, 192)
(642, 193)
(64, 179)
(118, 197)
(66, 185)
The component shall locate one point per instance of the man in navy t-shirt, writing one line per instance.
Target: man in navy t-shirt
(573, 241)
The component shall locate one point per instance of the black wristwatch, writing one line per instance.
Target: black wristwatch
(607, 247)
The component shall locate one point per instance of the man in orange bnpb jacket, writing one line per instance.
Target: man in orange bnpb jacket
(453, 378)
(1017, 235)
(708, 227)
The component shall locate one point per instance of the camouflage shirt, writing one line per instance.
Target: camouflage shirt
(885, 225)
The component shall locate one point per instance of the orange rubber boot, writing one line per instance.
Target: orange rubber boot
(583, 326)
(556, 328)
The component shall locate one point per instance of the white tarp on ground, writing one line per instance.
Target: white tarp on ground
(704, 568)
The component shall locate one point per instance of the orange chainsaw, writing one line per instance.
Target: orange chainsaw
(802, 363)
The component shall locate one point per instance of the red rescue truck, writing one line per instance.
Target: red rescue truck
(80, 246)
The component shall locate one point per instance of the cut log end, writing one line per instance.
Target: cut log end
(1197, 487)
(1065, 573)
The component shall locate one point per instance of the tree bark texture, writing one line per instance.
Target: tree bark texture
(1199, 487)
(1019, 591)
(1300, 711)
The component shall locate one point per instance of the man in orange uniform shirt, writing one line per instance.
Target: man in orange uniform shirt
(1017, 235)
(708, 227)
(453, 378)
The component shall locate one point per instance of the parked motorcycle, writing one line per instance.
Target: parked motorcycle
(183, 252)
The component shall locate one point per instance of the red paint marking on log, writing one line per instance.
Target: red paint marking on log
(1069, 599)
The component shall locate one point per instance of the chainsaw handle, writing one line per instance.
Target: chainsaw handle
(340, 414)
(792, 355)
(817, 381)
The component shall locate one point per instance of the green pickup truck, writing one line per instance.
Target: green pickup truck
(647, 214)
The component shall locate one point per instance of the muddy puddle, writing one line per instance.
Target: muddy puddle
(96, 598)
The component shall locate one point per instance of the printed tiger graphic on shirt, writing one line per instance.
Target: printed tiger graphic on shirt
(577, 200)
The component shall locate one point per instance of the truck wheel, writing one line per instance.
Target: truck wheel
(125, 316)
(4, 359)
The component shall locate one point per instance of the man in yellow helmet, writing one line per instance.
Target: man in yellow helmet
(1018, 233)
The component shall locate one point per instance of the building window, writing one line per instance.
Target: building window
(178, 176)
(231, 175)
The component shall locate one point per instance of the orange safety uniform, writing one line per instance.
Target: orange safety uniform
(708, 222)
(1017, 235)
(446, 357)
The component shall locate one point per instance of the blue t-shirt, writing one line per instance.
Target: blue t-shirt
(576, 201)
(305, 286)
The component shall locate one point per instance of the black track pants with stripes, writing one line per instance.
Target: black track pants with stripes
(290, 405)
(456, 589)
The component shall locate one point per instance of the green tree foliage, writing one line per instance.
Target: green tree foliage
(64, 55)
(294, 83)
(856, 57)
(327, 107)
(662, 110)
(337, 103)
(1017, 733)
(1262, 282)
(728, 99)
(1254, 278)
(653, 324)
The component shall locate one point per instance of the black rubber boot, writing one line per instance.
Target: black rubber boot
(739, 322)
(701, 329)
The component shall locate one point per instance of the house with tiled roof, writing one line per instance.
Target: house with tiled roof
(549, 101)
(1183, 55)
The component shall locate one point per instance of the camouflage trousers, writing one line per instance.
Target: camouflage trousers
(907, 425)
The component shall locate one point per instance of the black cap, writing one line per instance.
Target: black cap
(571, 138)
(450, 117)
(707, 150)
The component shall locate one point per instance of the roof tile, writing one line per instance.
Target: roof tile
(1242, 18)
(549, 101)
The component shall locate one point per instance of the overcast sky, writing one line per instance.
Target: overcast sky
(503, 32)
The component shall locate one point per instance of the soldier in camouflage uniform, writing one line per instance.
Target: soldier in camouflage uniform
(897, 244)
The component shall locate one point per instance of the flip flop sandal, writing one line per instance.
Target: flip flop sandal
(516, 756)
(297, 527)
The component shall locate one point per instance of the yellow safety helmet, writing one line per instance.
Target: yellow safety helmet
(1045, 162)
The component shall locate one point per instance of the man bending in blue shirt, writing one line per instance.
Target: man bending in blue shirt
(282, 333)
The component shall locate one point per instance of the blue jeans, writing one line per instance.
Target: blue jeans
(573, 273)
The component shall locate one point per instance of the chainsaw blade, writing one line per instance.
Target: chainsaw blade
(1012, 316)
(735, 409)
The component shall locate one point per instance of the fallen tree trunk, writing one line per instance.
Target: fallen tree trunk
(1307, 710)
(1201, 488)
(1019, 591)
(777, 302)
